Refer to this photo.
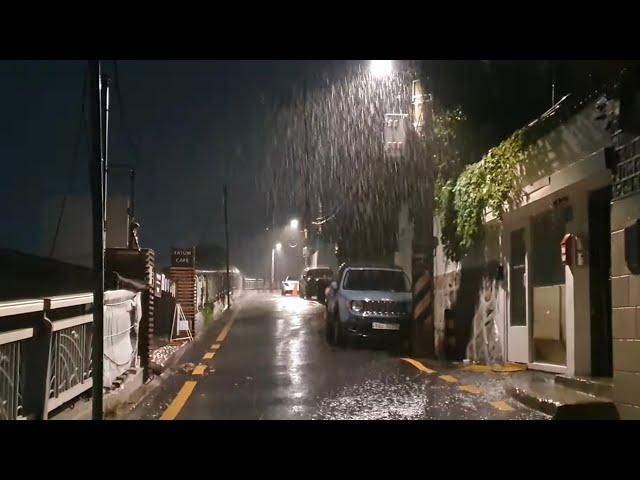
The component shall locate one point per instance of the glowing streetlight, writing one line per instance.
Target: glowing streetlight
(278, 246)
(294, 224)
(381, 68)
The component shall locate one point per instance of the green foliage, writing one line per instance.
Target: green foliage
(446, 210)
(207, 312)
(490, 185)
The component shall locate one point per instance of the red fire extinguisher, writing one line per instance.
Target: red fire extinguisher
(572, 250)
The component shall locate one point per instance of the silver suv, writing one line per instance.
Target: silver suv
(369, 302)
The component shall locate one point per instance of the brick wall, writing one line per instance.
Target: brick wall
(625, 301)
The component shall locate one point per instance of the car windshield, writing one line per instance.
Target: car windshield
(320, 273)
(379, 280)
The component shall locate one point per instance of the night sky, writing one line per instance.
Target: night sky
(197, 125)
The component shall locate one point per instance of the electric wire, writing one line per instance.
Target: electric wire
(74, 159)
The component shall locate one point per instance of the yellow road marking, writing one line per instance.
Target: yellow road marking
(173, 410)
(225, 331)
(215, 346)
(500, 405)
(418, 365)
(449, 378)
(199, 370)
(208, 355)
(470, 388)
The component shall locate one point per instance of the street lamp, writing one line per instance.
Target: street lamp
(294, 224)
(381, 68)
(278, 247)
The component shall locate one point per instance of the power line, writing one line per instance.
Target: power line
(74, 158)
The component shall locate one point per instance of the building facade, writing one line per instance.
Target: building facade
(550, 285)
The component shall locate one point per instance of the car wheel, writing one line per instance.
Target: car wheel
(402, 345)
(338, 334)
(328, 330)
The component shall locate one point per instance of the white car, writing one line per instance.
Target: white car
(289, 285)
(369, 302)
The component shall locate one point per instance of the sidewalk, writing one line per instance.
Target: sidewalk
(548, 394)
(165, 353)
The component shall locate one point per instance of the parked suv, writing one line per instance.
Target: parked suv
(369, 302)
(314, 281)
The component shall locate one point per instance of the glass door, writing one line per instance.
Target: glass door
(518, 334)
(548, 288)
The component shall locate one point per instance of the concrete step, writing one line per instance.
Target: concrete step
(563, 403)
(598, 386)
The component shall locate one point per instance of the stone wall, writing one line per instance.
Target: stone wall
(468, 317)
(625, 302)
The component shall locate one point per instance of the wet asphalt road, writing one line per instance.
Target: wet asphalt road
(274, 363)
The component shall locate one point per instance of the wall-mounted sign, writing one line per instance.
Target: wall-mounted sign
(182, 257)
(395, 133)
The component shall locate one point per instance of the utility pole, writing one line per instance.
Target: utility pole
(104, 90)
(553, 83)
(273, 265)
(226, 236)
(132, 207)
(422, 338)
(97, 174)
(132, 201)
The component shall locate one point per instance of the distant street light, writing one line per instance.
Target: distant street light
(381, 68)
(294, 224)
(278, 246)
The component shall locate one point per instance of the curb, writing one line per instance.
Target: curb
(596, 410)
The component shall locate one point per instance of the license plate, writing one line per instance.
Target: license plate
(385, 326)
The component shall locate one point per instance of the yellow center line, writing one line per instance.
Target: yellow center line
(173, 410)
(500, 405)
(418, 365)
(208, 355)
(470, 389)
(215, 346)
(199, 370)
(225, 331)
(449, 378)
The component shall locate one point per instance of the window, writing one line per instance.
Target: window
(320, 273)
(547, 267)
(378, 280)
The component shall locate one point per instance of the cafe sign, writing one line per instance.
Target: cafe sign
(182, 257)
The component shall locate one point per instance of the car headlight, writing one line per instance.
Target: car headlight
(356, 305)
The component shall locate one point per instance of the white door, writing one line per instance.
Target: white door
(518, 331)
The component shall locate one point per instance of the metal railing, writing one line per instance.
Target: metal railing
(45, 353)
(15, 339)
(254, 284)
(10, 387)
(627, 177)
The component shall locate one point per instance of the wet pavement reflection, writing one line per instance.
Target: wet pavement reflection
(276, 364)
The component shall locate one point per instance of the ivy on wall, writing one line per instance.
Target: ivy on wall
(491, 185)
